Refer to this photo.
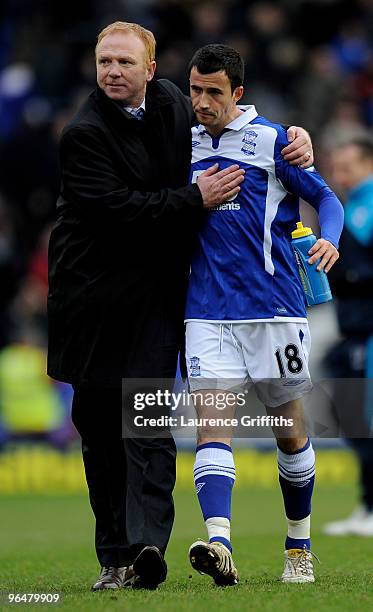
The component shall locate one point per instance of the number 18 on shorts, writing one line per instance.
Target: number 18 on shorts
(273, 356)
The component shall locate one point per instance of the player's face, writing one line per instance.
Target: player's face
(349, 168)
(213, 101)
(122, 71)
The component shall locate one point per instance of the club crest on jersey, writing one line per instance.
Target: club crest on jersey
(195, 368)
(249, 143)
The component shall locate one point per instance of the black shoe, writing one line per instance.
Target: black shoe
(149, 569)
(110, 578)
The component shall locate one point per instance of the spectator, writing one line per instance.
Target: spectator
(352, 166)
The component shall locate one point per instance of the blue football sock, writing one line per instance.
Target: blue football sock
(214, 476)
(297, 477)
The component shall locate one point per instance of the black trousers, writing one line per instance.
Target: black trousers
(363, 448)
(349, 405)
(130, 480)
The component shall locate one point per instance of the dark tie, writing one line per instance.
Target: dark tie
(139, 114)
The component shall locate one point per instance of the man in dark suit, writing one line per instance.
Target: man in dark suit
(119, 263)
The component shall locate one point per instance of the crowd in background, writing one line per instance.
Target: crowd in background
(308, 62)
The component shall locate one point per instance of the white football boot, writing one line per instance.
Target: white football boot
(298, 566)
(215, 560)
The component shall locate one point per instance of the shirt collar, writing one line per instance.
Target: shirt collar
(239, 122)
(133, 110)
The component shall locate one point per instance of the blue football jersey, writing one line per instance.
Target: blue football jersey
(244, 267)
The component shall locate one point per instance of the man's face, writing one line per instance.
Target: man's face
(122, 72)
(349, 167)
(213, 101)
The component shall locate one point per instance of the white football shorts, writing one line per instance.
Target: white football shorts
(273, 356)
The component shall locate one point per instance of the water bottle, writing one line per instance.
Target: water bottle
(315, 283)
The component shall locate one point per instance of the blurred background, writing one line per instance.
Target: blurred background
(308, 62)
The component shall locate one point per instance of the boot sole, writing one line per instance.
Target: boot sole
(151, 567)
(204, 560)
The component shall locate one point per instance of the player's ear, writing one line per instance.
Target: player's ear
(150, 71)
(238, 93)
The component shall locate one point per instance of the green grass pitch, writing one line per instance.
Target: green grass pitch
(47, 547)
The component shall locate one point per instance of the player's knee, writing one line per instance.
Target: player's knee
(291, 445)
(205, 436)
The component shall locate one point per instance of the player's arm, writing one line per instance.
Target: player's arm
(331, 216)
(300, 151)
(311, 187)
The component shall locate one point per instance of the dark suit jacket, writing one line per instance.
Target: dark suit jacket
(120, 249)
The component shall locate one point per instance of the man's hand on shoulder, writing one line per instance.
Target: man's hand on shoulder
(217, 186)
(327, 251)
(299, 152)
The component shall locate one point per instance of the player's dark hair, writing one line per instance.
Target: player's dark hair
(213, 58)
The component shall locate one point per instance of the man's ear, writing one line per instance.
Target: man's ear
(238, 93)
(151, 70)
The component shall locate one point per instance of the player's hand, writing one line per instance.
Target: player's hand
(300, 151)
(219, 186)
(327, 251)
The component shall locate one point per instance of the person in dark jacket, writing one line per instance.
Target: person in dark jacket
(352, 356)
(118, 267)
